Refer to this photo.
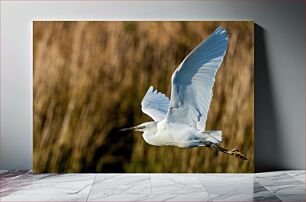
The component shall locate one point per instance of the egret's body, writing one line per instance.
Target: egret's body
(181, 121)
(169, 134)
(180, 135)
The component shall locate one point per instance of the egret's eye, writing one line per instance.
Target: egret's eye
(141, 127)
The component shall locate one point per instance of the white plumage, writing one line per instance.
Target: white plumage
(193, 80)
(155, 104)
(181, 121)
(192, 84)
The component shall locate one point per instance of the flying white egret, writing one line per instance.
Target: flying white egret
(181, 121)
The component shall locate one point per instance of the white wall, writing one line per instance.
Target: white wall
(279, 68)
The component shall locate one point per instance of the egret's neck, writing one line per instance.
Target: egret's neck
(149, 136)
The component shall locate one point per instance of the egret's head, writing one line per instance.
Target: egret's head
(142, 127)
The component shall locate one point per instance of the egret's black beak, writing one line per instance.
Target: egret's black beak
(127, 129)
(135, 128)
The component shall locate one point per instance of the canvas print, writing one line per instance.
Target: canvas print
(141, 96)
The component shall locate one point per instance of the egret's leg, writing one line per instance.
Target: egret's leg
(233, 152)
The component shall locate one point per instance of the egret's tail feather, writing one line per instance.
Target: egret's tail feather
(214, 136)
(234, 152)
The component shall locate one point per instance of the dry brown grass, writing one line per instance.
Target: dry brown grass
(89, 80)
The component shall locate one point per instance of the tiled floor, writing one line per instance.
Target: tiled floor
(271, 186)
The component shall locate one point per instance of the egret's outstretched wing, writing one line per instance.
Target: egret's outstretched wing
(193, 80)
(155, 104)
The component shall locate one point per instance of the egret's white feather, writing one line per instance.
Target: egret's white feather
(181, 122)
(214, 136)
(155, 104)
(193, 80)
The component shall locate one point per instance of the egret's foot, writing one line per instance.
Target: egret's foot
(233, 152)
(237, 153)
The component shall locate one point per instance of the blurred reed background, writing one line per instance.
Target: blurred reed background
(90, 78)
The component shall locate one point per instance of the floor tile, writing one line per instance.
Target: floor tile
(121, 184)
(184, 197)
(13, 173)
(47, 184)
(274, 174)
(271, 186)
(266, 197)
(217, 184)
(281, 183)
(42, 198)
(298, 175)
(151, 197)
(3, 171)
(176, 184)
(259, 189)
(11, 181)
(245, 198)
(292, 197)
